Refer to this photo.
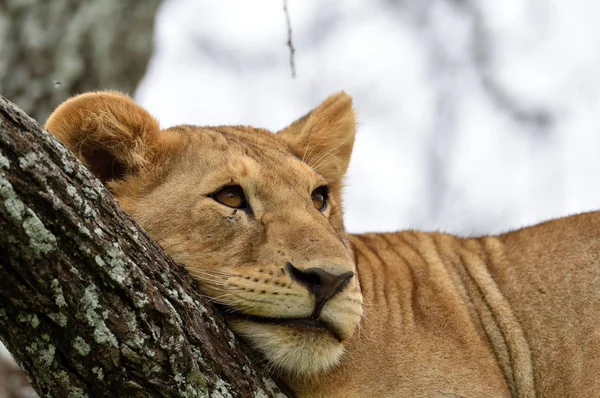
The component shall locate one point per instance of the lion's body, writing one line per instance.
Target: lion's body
(257, 219)
(516, 314)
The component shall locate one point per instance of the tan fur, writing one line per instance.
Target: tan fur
(427, 314)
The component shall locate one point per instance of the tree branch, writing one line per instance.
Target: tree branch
(89, 304)
(290, 43)
(52, 50)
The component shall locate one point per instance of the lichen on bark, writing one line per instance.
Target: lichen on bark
(89, 304)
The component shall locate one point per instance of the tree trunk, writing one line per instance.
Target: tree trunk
(89, 304)
(51, 50)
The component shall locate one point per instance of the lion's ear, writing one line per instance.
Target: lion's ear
(112, 135)
(324, 138)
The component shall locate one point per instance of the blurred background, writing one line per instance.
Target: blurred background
(475, 117)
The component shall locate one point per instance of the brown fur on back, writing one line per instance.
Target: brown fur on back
(417, 314)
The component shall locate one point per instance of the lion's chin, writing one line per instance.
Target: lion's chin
(295, 350)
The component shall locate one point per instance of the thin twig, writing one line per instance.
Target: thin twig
(290, 44)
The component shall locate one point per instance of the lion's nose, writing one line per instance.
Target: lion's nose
(324, 285)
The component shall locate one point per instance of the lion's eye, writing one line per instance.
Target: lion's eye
(232, 196)
(319, 198)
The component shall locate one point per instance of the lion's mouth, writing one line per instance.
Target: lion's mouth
(308, 323)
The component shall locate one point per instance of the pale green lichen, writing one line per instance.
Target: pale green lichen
(97, 185)
(72, 192)
(197, 354)
(138, 336)
(134, 233)
(214, 325)
(89, 212)
(192, 386)
(65, 381)
(165, 278)
(102, 335)
(141, 300)
(63, 377)
(32, 348)
(81, 347)
(200, 307)
(41, 241)
(28, 160)
(31, 319)
(4, 162)
(156, 369)
(12, 203)
(47, 355)
(59, 297)
(76, 392)
(178, 378)
(231, 339)
(85, 248)
(56, 201)
(260, 394)
(98, 232)
(84, 231)
(116, 265)
(60, 319)
(221, 390)
(90, 193)
(185, 297)
(98, 372)
(197, 380)
(131, 355)
(99, 261)
(117, 270)
(68, 166)
(172, 293)
(174, 312)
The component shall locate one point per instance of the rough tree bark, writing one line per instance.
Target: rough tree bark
(89, 304)
(51, 50)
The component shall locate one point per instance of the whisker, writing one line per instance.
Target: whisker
(210, 273)
(319, 162)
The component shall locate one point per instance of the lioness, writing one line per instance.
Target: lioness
(256, 218)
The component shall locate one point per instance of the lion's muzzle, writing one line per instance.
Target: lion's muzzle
(322, 284)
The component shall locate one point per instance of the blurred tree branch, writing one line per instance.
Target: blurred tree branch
(451, 57)
(89, 304)
(52, 50)
(290, 43)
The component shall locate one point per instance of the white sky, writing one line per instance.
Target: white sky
(436, 149)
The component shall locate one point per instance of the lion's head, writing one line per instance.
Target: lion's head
(255, 217)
